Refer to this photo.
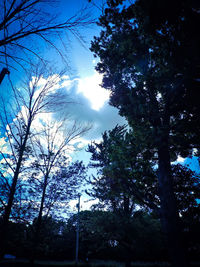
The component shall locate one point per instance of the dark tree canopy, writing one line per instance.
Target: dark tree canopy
(149, 57)
(125, 177)
(125, 174)
(106, 235)
(153, 75)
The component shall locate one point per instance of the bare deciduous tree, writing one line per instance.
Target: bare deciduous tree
(37, 96)
(51, 150)
(53, 179)
(25, 25)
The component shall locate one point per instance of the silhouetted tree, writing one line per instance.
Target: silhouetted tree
(26, 25)
(17, 117)
(149, 56)
(125, 174)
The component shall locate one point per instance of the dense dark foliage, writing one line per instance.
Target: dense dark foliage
(102, 236)
(126, 175)
(149, 58)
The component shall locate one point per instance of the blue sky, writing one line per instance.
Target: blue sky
(81, 82)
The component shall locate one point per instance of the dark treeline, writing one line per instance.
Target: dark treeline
(102, 236)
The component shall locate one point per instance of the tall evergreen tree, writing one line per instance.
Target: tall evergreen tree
(149, 56)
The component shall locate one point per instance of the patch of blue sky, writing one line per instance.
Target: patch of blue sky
(190, 162)
(193, 164)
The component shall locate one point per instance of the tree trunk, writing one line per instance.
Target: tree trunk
(6, 216)
(169, 212)
(38, 223)
(39, 220)
(5, 221)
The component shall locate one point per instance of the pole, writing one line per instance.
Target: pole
(77, 229)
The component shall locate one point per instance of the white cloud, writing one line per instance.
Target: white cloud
(180, 159)
(67, 82)
(49, 84)
(85, 203)
(90, 104)
(4, 146)
(91, 89)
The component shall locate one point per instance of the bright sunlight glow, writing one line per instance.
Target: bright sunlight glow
(91, 89)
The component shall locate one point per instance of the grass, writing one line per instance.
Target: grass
(25, 263)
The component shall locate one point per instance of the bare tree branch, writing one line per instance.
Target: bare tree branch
(25, 19)
(36, 96)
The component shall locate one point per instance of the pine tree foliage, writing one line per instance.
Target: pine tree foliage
(149, 57)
